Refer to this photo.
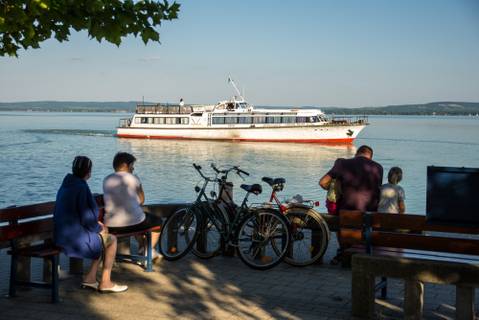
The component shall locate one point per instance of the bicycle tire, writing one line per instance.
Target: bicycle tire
(306, 223)
(174, 241)
(209, 241)
(260, 236)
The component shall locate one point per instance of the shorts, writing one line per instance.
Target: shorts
(106, 239)
(149, 222)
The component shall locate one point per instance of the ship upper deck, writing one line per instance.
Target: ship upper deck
(163, 109)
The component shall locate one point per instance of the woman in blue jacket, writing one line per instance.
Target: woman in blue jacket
(78, 231)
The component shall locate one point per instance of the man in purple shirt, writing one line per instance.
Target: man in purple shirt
(360, 179)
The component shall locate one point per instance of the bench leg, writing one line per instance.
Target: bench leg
(465, 302)
(149, 253)
(55, 278)
(362, 294)
(413, 299)
(13, 276)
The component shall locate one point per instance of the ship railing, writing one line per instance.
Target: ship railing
(163, 109)
(349, 120)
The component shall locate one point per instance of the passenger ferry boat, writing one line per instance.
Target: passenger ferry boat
(237, 120)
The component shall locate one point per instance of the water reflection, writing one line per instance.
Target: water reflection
(165, 166)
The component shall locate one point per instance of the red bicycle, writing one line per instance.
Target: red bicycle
(309, 232)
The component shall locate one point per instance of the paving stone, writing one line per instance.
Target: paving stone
(221, 288)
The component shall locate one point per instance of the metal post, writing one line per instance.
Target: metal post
(54, 282)
(149, 253)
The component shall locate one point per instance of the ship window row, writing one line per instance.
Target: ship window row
(262, 120)
(162, 120)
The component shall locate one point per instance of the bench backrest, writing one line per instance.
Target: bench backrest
(19, 222)
(29, 221)
(405, 231)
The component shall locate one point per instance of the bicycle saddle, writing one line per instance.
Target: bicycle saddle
(254, 188)
(273, 181)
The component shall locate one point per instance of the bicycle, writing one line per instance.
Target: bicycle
(260, 235)
(309, 232)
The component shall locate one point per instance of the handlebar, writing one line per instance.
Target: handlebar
(226, 171)
(242, 171)
(198, 168)
(214, 168)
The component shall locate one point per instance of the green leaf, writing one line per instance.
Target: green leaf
(27, 23)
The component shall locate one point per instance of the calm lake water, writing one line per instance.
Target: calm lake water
(37, 150)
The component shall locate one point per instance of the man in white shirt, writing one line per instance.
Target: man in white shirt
(123, 196)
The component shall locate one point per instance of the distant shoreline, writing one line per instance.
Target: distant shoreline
(326, 112)
(428, 109)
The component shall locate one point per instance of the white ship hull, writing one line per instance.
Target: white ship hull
(238, 121)
(318, 134)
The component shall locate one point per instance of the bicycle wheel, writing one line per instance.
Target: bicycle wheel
(263, 239)
(309, 236)
(209, 242)
(179, 233)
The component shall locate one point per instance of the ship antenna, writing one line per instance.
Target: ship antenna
(230, 80)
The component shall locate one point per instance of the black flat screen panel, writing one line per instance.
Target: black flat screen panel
(452, 196)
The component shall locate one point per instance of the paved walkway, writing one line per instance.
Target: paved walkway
(221, 288)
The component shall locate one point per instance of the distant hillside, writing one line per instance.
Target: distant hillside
(438, 108)
(69, 106)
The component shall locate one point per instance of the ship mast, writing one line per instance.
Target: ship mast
(230, 80)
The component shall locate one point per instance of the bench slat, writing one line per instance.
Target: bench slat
(351, 236)
(414, 222)
(25, 212)
(8, 233)
(425, 242)
(351, 219)
(40, 250)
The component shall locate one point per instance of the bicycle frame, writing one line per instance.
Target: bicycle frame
(283, 208)
(238, 212)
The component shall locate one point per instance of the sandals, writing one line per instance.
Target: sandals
(115, 289)
(93, 286)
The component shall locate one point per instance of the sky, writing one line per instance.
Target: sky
(281, 53)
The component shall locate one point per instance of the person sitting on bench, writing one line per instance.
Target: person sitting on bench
(392, 194)
(360, 179)
(123, 196)
(77, 230)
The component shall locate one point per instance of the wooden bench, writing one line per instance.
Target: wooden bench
(163, 210)
(22, 229)
(28, 233)
(406, 247)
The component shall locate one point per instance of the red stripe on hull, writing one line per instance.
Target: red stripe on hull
(326, 141)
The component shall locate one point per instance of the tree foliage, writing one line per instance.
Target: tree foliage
(26, 23)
